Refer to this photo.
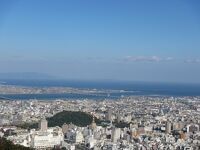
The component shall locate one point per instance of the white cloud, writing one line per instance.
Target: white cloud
(146, 59)
(192, 61)
(169, 58)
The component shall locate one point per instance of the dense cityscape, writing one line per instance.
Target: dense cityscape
(99, 75)
(129, 123)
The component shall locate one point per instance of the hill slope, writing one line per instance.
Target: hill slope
(78, 118)
(8, 145)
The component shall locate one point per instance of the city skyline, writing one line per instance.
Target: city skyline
(132, 40)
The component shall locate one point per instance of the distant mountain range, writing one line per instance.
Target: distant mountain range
(25, 75)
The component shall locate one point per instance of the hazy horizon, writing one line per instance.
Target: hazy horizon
(35, 76)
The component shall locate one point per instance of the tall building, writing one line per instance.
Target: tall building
(46, 140)
(116, 132)
(93, 124)
(118, 117)
(43, 125)
(168, 127)
(108, 115)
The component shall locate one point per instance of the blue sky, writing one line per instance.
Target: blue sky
(102, 39)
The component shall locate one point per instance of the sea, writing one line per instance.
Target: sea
(124, 89)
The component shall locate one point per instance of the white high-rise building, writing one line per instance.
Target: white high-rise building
(43, 125)
(46, 137)
(50, 138)
(168, 127)
(115, 134)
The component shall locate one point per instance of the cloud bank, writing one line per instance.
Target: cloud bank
(194, 61)
(146, 59)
